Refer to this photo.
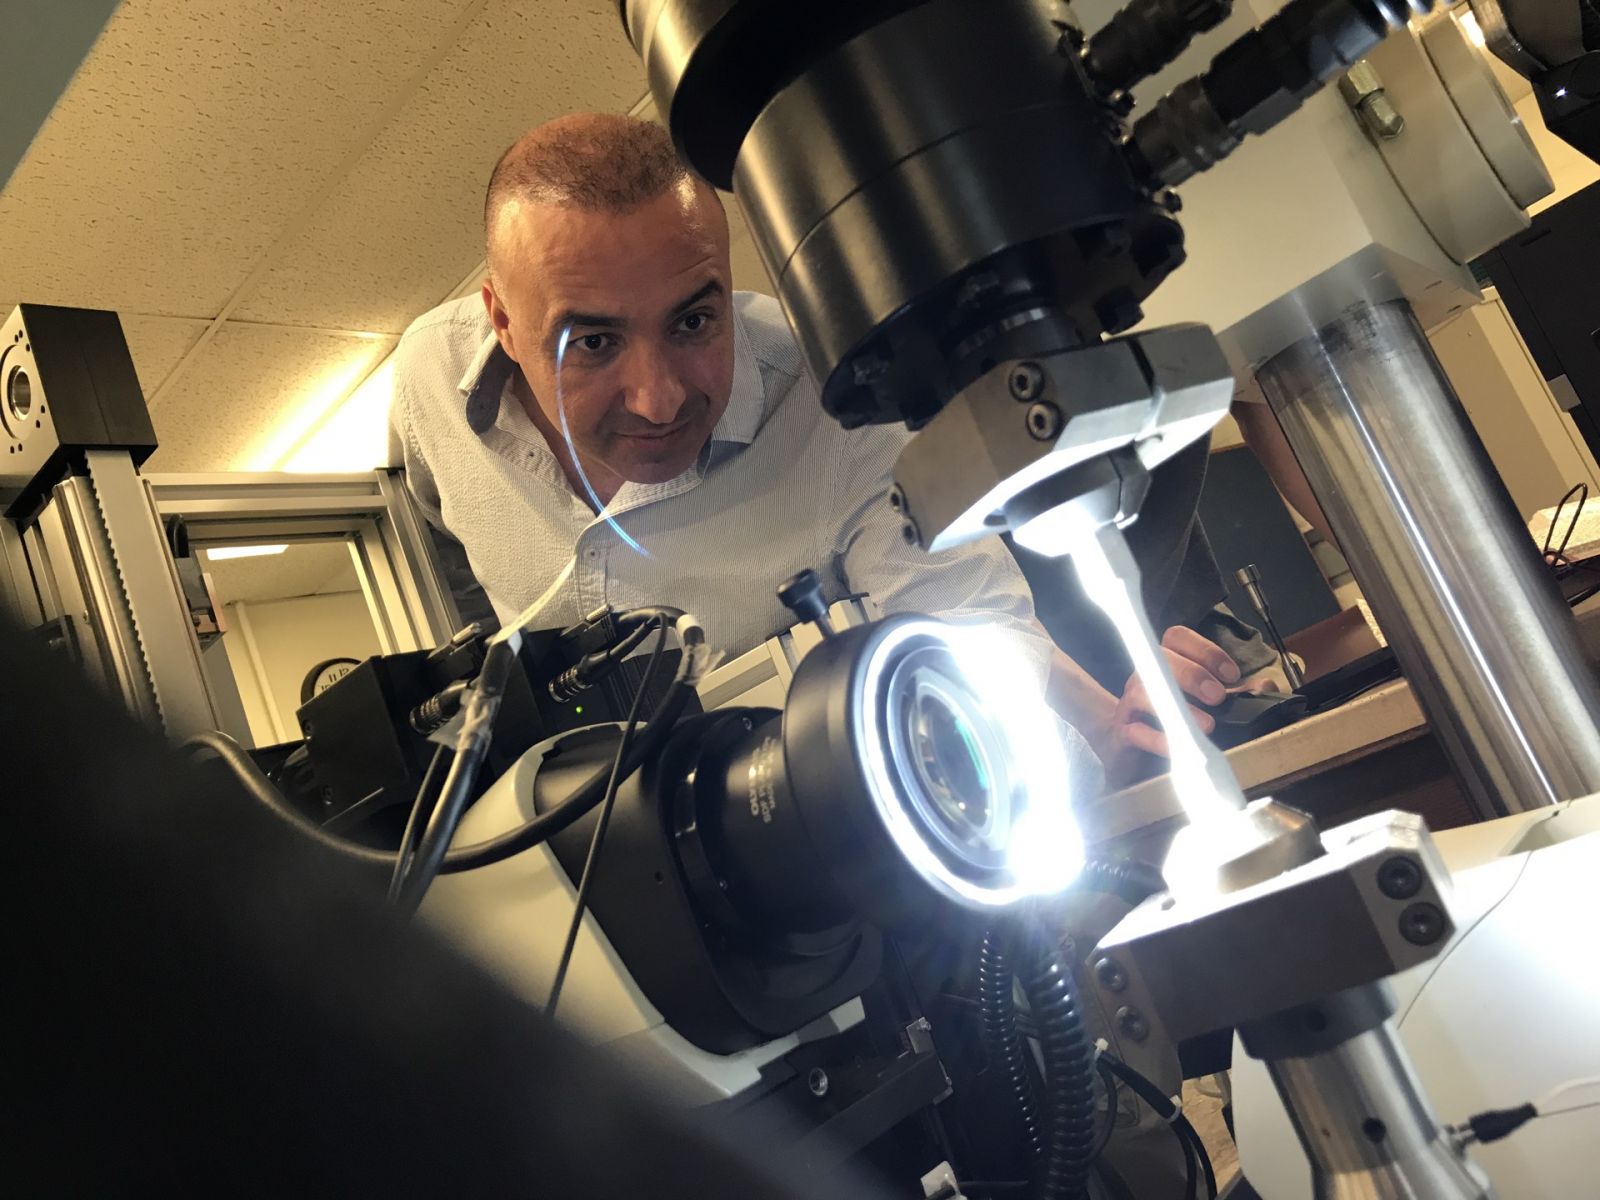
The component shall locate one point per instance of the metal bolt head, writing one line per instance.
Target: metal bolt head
(1379, 115)
(1359, 82)
(1362, 89)
(1132, 1023)
(1120, 102)
(1027, 381)
(817, 1082)
(1399, 878)
(1170, 200)
(1111, 975)
(1043, 420)
(1422, 924)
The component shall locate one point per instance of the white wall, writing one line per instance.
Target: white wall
(271, 645)
(1535, 446)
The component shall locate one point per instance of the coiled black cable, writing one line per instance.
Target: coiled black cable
(998, 1021)
(1125, 878)
(1069, 1071)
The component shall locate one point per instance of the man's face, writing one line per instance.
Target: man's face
(634, 310)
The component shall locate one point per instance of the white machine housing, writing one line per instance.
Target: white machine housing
(512, 917)
(1509, 1010)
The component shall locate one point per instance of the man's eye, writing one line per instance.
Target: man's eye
(695, 322)
(594, 343)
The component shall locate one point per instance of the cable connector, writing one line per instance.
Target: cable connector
(1493, 1125)
(699, 657)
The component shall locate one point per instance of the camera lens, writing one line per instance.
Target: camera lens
(918, 761)
(950, 761)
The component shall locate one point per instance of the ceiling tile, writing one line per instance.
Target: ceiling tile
(192, 135)
(406, 224)
(254, 394)
(303, 569)
(158, 343)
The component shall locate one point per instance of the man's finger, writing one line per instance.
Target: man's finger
(1147, 738)
(1195, 679)
(1201, 650)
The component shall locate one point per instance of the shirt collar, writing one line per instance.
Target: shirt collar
(483, 384)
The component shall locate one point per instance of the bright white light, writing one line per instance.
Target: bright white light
(218, 553)
(1191, 864)
(1045, 851)
(354, 436)
(1200, 776)
(1469, 26)
(1560, 92)
(303, 433)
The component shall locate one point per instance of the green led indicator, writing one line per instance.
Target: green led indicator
(578, 710)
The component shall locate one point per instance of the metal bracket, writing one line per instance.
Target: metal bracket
(1372, 905)
(1029, 420)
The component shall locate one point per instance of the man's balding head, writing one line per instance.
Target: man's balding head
(610, 286)
(593, 162)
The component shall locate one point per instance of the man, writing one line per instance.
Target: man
(614, 425)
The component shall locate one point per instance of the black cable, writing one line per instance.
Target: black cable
(466, 858)
(1069, 1108)
(592, 668)
(420, 808)
(998, 1021)
(546, 825)
(1126, 878)
(1499, 1123)
(647, 616)
(1182, 1129)
(597, 839)
(472, 747)
(1581, 491)
(260, 788)
(1109, 1082)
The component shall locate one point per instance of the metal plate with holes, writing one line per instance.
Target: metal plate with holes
(1374, 904)
(26, 426)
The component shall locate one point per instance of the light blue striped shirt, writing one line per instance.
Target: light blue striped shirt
(779, 487)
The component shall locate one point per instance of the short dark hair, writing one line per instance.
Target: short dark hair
(601, 162)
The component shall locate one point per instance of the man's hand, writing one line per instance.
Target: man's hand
(1204, 673)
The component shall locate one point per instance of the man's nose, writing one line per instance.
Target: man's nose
(653, 391)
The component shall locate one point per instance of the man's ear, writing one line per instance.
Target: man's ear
(500, 319)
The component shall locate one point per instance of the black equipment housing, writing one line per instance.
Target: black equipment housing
(906, 225)
(723, 987)
(83, 393)
(366, 756)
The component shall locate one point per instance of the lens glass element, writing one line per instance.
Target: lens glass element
(950, 759)
(965, 762)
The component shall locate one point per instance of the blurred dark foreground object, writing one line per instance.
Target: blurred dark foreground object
(195, 1001)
